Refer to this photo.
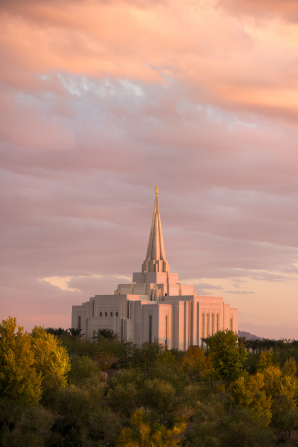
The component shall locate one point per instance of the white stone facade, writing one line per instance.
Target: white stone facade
(155, 305)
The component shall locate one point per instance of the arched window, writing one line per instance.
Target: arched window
(217, 322)
(231, 324)
(100, 314)
(79, 322)
(116, 314)
(111, 314)
(106, 314)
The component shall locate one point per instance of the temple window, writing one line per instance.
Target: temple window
(111, 314)
(203, 325)
(150, 328)
(166, 332)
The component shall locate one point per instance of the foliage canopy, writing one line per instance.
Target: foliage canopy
(57, 388)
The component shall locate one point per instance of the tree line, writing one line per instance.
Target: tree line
(59, 389)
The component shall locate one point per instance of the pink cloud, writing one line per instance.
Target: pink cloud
(268, 9)
(101, 101)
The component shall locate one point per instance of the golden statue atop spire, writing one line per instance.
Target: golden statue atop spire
(156, 191)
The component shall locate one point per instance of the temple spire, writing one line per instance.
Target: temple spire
(155, 258)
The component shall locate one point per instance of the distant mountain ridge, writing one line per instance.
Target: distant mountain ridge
(248, 335)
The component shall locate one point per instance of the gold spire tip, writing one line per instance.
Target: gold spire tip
(156, 191)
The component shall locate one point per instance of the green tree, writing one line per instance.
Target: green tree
(214, 426)
(105, 360)
(107, 333)
(82, 369)
(284, 414)
(123, 399)
(72, 439)
(147, 355)
(74, 404)
(226, 356)
(104, 427)
(19, 379)
(24, 424)
(4, 435)
(166, 358)
(158, 394)
(57, 331)
(75, 333)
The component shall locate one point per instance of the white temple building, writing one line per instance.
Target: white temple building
(155, 305)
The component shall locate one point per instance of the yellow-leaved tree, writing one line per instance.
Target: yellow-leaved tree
(270, 393)
(145, 433)
(276, 381)
(194, 362)
(19, 379)
(282, 386)
(248, 391)
(290, 367)
(51, 360)
(30, 362)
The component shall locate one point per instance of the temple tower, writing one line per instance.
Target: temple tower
(155, 305)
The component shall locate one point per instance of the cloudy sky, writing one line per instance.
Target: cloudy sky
(101, 100)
